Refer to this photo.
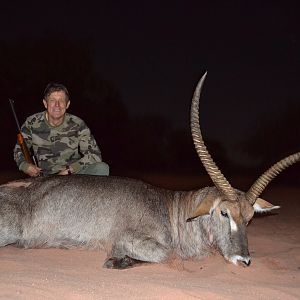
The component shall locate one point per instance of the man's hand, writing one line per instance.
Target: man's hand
(33, 170)
(68, 171)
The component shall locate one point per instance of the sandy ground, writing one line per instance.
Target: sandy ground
(274, 243)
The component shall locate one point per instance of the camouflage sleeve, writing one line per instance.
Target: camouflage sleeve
(18, 154)
(88, 148)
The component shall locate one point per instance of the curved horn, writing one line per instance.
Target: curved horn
(260, 184)
(215, 174)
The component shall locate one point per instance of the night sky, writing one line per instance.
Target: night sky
(131, 67)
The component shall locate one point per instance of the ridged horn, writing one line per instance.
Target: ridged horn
(215, 174)
(260, 184)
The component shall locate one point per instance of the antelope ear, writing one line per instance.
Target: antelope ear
(261, 206)
(204, 207)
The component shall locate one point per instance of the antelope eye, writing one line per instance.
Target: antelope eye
(224, 214)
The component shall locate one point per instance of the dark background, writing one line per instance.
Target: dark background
(131, 68)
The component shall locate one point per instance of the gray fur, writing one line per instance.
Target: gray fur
(126, 217)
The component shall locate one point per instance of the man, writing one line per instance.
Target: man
(61, 142)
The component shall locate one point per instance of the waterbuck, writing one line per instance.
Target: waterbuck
(134, 221)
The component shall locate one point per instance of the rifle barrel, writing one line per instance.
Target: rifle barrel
(14, 113)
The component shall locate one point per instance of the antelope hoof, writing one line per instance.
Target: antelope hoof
(121, 263)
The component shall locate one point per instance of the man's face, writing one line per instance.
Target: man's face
(56, 105)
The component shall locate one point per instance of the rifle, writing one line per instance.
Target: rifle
(28, 155)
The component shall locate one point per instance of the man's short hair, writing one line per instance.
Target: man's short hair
(55, 87)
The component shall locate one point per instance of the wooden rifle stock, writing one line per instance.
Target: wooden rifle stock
(28, 157)
(24, 148)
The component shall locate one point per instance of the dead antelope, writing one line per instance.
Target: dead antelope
(134, 221)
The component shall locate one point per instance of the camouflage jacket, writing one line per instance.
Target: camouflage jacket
(71, 144)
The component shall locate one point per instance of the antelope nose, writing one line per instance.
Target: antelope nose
(247, 262)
